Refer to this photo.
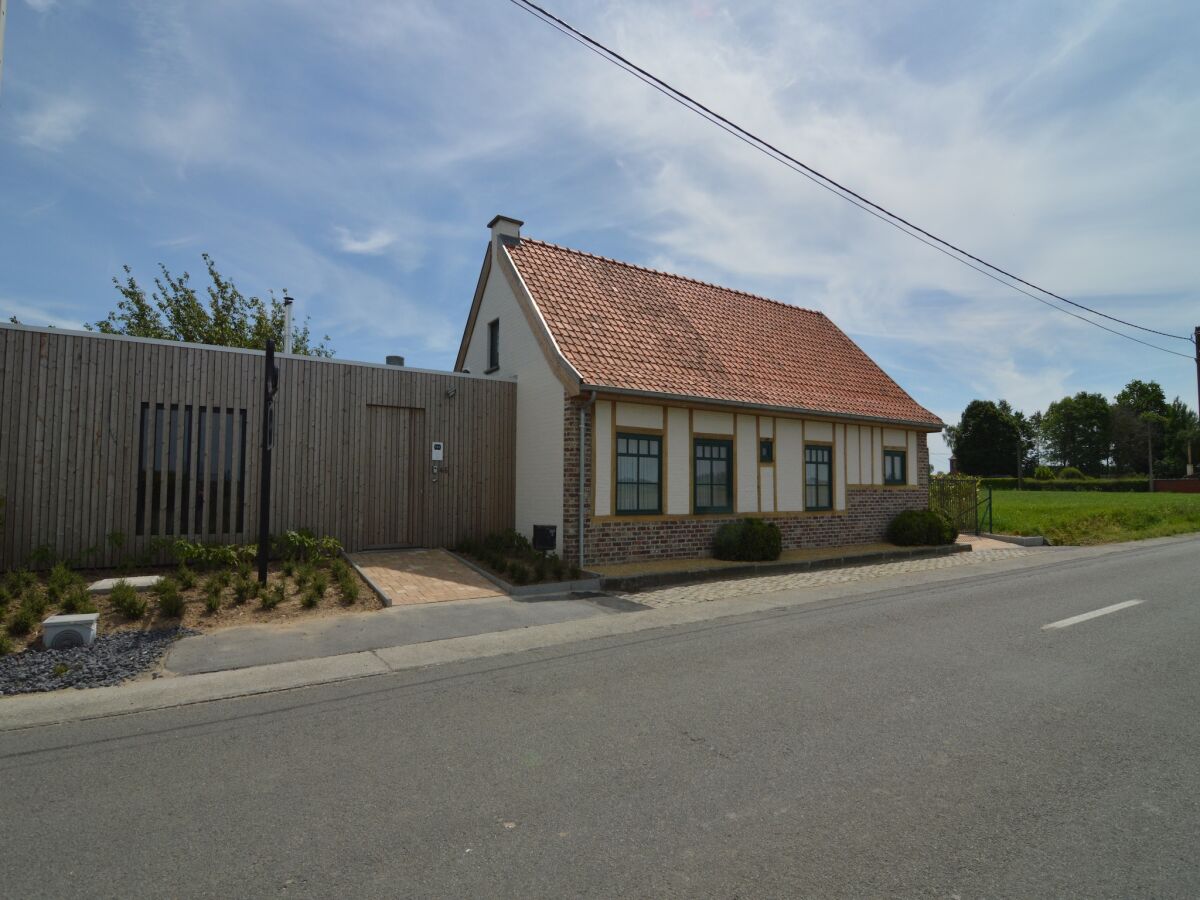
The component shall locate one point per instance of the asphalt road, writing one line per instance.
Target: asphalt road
(924, 742)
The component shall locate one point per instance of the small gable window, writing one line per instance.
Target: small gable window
(895, 467)
(493, 345)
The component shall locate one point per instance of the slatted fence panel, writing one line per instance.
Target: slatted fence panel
(71, 442)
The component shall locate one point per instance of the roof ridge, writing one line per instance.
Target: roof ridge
(676, 275)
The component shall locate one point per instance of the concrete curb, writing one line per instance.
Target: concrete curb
(633, 583)
(529, 590)
(1019, 539)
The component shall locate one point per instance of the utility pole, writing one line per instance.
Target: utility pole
(270, 387)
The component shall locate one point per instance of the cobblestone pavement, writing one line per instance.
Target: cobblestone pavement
(765, 584)
(422, 576)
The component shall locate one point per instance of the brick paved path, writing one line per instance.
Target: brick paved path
(765, 584)
(422, 576)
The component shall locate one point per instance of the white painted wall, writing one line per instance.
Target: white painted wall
(745, 455)
(603, 448)
(789, 464)
(639, 415)
(912, 458)
(877, 456)
(540, 397)
(679, 462)
(820, 432)
(894, 437)
(853, 463)
(839, 468)
(704, 422)
(767, 474)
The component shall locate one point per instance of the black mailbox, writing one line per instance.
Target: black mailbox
(545, 537)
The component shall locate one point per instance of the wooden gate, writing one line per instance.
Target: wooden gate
(391, 467)
(962, 502)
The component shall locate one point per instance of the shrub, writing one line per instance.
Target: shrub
(1043, 473)
(6, 645)
(185, 577)
(212, 600)
(170, 601)
(921, 527)
(518, 572)
(289, 567)
(127, 601)
(304, 575)
(320, 583)
(272, 596)
(576, 573)
(539, 569)
(310, 598)
(338, 569)
(23, 621)
(1107, 485)
(35, 601)
(751, 540)
(1070, 473)
(77, 600)
(18, 581)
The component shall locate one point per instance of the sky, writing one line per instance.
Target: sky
(353, 152)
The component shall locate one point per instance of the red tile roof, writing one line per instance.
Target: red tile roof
(627, 327)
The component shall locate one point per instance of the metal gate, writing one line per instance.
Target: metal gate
(963, 501)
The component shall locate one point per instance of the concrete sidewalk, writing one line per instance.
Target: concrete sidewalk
(395, 626)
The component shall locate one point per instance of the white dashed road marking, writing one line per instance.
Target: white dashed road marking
(1075, 620)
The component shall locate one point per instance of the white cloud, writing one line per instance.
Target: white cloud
(53, 124)
(40, 5)
(370, 244)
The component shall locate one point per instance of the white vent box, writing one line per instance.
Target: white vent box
(64, 632)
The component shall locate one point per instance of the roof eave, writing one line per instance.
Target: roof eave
(930, 427)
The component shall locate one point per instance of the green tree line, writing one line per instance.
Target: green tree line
(1087, 431)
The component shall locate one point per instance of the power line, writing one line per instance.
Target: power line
(835, 187)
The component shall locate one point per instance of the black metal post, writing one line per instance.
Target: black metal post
(270, 385)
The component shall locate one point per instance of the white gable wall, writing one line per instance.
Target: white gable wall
(540, 397)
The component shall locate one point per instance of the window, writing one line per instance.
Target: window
(766, 450)
(712, 486)
(639, 468)
(818, 477)
(493, 345)
(191, 461)
(895, 467)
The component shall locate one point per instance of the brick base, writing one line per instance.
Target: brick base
(868, 512)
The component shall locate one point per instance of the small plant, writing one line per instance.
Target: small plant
(43, 557)
(23, 621)
(1070, 473)
(60, 580)
(36, 602)
(212, 600)
(338, 569)
(244, 589)
(77, 600)
(170, 600)
(518, 572)
(554, 564)
(304, 574)
(1043, 473)
(127, 601)
(185, 577)
(61, 669)
(539, 569)
(320, 582)
(6, 645)
(272, 596)
(310, 598)
(348, 587)
(288, 567)
(575, 573)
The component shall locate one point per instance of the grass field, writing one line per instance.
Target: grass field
(1084, 517)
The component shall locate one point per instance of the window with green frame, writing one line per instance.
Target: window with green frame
(818, 477)
(895, 467)
(639, 474)
(712, 486)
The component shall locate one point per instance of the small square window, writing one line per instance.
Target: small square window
(766, 450)
(895, 467)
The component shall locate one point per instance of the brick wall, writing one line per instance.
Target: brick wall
(868, 512)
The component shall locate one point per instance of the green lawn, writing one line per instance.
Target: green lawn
(1085, 517)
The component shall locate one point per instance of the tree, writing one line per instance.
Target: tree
(1076, 432)
(986, 440)
(1138, 414)
(174, 312)
(1181, 431)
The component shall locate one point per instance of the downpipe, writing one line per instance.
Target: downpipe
(583, 415)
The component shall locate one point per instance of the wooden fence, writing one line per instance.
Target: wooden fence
(108, 441)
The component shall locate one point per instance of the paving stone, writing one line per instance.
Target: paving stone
(765, 584)
(139, 582)
(422, 576)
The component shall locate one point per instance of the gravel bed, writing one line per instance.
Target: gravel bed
(112, 659)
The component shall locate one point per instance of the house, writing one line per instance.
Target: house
(652, 408)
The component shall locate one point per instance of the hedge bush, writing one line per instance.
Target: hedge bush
(1043, 473)
(921, 527)
(750, 540)
(1087, 484)
(1070, 473)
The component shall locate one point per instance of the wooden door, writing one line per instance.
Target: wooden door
(389, 468)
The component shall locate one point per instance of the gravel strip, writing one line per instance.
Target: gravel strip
(111, 660)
